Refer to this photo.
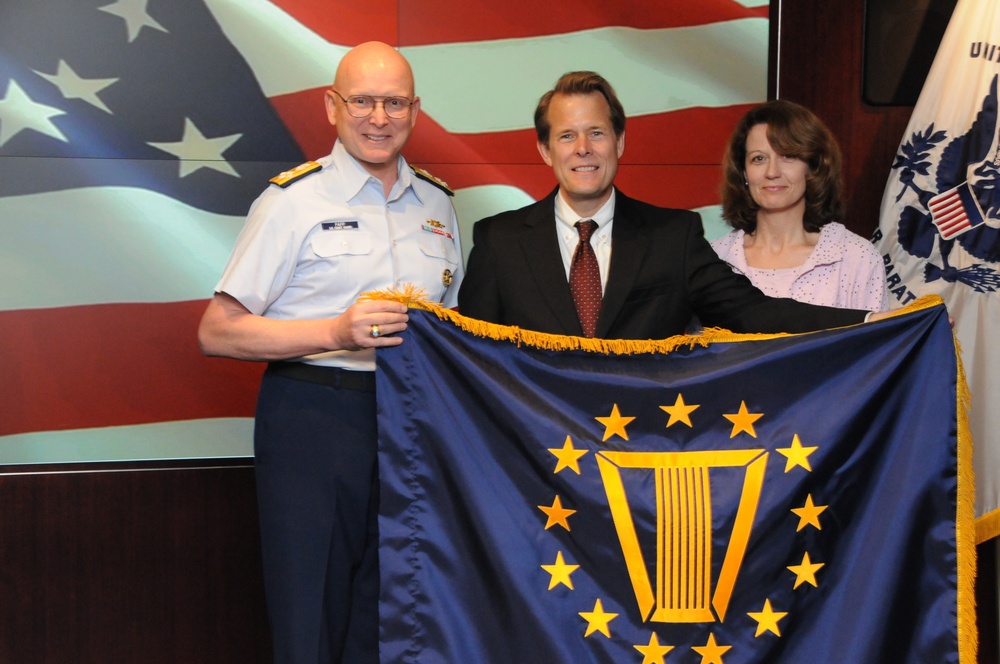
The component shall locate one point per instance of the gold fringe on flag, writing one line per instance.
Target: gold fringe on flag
(416, 298)
(967, 529)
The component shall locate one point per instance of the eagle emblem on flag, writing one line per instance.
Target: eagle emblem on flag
(954, 182)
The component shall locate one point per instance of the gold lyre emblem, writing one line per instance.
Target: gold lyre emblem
(682, 591)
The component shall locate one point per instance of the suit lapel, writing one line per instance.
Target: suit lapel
(629, 244)
(541, 250)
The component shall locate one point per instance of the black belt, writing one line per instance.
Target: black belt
(359, 381)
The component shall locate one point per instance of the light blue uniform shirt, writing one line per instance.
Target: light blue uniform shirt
(309, 250)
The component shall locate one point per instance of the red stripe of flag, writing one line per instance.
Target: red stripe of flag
(459, 21)
(115, 364)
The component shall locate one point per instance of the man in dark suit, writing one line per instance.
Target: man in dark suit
(656, 270)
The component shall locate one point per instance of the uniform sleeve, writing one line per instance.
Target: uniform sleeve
(262, 262)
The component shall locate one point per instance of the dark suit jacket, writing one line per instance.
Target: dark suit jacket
(662, 273)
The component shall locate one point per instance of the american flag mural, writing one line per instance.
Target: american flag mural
(134, 134)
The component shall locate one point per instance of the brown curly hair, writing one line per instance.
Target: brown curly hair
(793, 131)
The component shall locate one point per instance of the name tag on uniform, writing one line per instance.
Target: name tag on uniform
(340, 225)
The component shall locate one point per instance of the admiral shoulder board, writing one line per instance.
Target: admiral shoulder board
(288, 177)
(424, 175)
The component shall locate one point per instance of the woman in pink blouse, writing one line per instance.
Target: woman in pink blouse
(781, 193)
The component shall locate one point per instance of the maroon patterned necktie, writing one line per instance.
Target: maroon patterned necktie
(585, 278)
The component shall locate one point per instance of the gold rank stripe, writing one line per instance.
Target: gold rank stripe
(287, 177)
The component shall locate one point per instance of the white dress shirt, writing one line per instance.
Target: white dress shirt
(566, 220)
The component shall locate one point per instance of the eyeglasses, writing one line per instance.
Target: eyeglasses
(361, 106)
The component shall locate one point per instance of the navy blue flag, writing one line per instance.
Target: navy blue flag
(727, 499)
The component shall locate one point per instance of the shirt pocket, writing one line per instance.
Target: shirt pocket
(333, 244)
(438, 247)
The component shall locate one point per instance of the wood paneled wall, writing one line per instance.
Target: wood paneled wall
(817, 61)
(131, 563)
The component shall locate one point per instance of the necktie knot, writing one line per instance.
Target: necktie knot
(586, 228)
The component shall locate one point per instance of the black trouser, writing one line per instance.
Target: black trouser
(317, 488)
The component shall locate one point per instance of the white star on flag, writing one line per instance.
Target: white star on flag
(135, 15)
(18, 112)
(195, 151)
(73, 86)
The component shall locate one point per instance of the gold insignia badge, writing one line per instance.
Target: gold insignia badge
(435, 223)
(447, 277)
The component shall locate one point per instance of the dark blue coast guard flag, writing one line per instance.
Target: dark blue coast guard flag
(741, 499)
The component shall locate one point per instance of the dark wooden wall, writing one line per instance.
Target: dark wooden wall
(818, 62)
(131, 563)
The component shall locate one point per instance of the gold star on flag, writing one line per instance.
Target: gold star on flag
(653, 653)
(614, 424)
(597, 620)
(557, 514)
(767, 619)
(568, 456)
(711, 652)
(796, 454)
(809, 514)
(560, 572)
(679, 412)
(743, 420)
(805, 572)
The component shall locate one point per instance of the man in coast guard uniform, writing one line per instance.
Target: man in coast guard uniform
(357, 220)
